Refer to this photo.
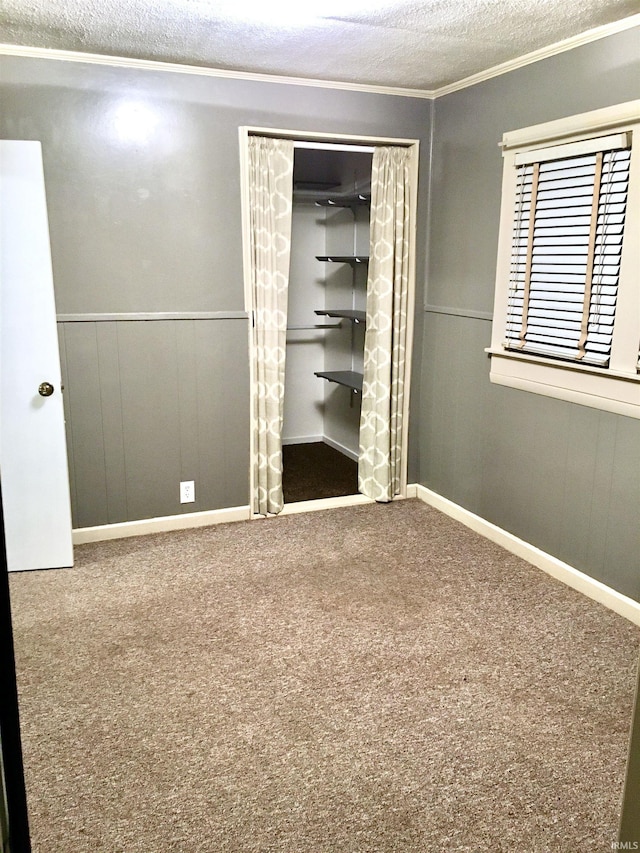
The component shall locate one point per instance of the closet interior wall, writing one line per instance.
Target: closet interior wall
(315, 409)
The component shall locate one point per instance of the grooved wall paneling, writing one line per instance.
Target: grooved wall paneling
(151, 404)
(563, 477)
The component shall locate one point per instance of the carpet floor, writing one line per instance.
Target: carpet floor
(373, 679)
(315, 470)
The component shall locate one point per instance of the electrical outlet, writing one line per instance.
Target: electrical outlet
(187, 491)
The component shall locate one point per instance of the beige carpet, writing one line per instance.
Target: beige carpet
(362, 680)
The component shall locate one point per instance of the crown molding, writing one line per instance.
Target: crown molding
(544, 53)
(428, 94)
(203, 71)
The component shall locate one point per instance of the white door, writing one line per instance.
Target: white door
(33, 455)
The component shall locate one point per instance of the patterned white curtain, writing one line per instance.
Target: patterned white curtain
(271, 190)
(381, 419)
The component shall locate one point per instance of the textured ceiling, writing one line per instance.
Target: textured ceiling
(401, 43)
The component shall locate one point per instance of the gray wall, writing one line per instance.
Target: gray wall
(150, 404)
(152, 224)
(563, 477)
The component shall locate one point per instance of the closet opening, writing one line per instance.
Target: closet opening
(329, 271)
(326, 322)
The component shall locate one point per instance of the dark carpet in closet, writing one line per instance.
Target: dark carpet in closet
(312, 471)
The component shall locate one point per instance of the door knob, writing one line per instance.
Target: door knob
(45, 389)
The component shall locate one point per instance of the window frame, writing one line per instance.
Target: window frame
(615, 388)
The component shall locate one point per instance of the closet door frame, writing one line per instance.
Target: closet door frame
(327, 140)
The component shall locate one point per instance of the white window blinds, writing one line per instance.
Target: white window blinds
(566, 249)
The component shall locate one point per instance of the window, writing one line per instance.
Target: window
(567, 307)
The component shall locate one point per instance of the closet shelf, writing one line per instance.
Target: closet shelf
(354, 200)
(344, 259)
(347, 314)
(348, 378)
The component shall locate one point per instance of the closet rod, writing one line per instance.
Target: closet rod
(316, 328)
(332, 146)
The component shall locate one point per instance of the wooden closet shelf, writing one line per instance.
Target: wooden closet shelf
(344, 259)
(347, 314)
(348, 378)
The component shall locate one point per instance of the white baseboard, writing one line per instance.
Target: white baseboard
(574, 578)
(102, 532)
(314, 439)
(352, 454)
(304, 439)
(594, 589)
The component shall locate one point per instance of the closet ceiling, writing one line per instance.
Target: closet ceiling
(415, 44)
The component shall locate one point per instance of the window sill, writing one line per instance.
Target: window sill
(588, 386)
